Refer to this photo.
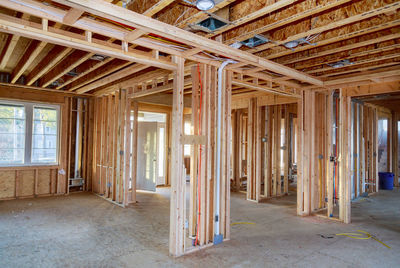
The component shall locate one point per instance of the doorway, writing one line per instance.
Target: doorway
(151, 151)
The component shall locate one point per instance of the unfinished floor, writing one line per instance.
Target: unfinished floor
(81, 230)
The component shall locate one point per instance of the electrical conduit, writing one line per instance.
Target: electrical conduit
(217, 236)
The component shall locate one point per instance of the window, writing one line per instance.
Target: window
(28, 134)
(12, 134)
(44, 136)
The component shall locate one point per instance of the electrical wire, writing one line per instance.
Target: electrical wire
(362, 235)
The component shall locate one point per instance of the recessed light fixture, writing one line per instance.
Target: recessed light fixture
(340, 64)
(292, 44)
(337, 64)
(236, 45)
(205, 4)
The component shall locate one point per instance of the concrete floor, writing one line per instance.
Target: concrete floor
(83, 230)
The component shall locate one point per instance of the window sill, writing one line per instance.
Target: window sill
(30, 167)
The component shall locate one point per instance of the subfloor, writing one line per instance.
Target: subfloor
(83, 230)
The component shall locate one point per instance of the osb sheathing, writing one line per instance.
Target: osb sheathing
(326, 19)
(312, 51)
(352, 53)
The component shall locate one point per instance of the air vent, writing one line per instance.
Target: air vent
(212, 23)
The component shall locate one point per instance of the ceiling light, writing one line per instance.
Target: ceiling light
(205, 4)
(98, 57)
(340, 64)
(337, 64)
(292, 44)
(236, 45)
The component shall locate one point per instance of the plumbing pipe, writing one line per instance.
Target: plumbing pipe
(218, 177)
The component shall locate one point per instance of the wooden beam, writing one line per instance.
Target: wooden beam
(338, 38)
(157, 7)
(134, 150)
(344, 158)
(135, 34)
(351, 55)
(55, 55)
(261, 88)
(9, 50)
(200, 15)
(33, 50)
(107, 10)
(56, 36)
(359, 62)
(363, 70)
(360, 77)
(331, 26)
(253, 16)
(329, 151)
(97, 74)
(177, 211)
(72, 16)
(395, 148)
(69, 63)
(113, 77)
(159, 89)
(289, 20)
(89, 70)
(341, 49)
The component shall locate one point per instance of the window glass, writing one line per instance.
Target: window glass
(44, 136)
(12, 134)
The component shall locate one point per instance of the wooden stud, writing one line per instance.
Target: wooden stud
(176, 235)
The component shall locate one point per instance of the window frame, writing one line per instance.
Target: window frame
(29, 108)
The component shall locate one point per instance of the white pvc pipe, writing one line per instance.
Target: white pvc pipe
(218, 177)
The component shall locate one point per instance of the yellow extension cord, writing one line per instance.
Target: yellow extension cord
(360, 235)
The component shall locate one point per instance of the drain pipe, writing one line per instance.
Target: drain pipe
(217, 236)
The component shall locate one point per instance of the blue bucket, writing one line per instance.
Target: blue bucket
(386, 180)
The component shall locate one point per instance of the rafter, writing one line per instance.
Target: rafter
(350, 56)
(359, 62)
(33, 50)
(331, 26)
(344, 48)
(55, 55)
(328, 41)
(138, 21)
(63, 67)
(157, 7)
(91, 69)
(97, 74)
(199, 15)
(132, 81)
(121, 15)
(346, 79)
(253, 16)
(9, 50)
(113, 77)
(61, 37)
(72, 16)
(363, 69)
(299, 16)
(158, 89)
(264, 88)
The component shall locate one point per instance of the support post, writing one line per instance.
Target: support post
(177, 213)
(395, 152)
(344, 158)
